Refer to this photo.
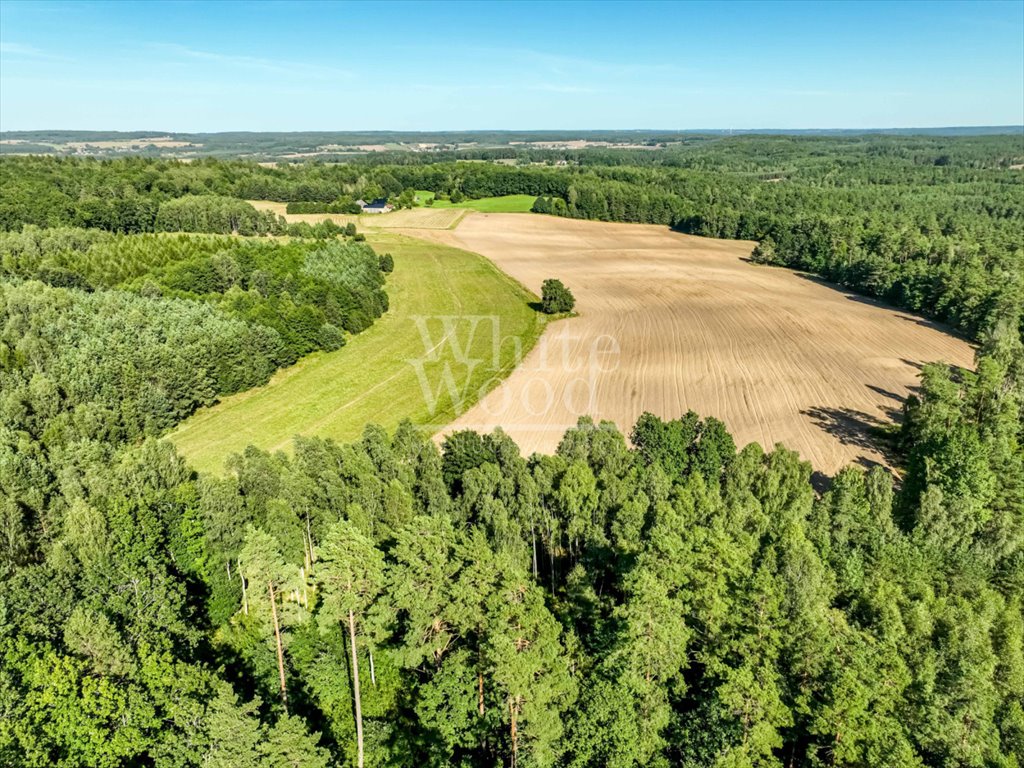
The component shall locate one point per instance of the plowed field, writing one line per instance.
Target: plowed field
(669, 322)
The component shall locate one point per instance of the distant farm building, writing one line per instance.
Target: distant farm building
(379, 205)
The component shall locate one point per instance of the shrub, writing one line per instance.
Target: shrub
(556, 298)
(764, 252)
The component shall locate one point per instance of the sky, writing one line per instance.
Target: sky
(290, 66)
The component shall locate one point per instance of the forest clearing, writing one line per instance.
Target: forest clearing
(442, 214)
(679, 323)
(439, 214)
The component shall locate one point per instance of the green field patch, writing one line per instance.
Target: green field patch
(456, 327)
(503, 204)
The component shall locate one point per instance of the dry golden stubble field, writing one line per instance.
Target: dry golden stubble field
(669, 322)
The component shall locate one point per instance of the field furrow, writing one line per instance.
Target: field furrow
(669, 322)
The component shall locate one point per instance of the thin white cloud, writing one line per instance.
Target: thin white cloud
(23, 50)
(828, 94)
(559, 88)
(276, 66)
(455, 88)
(567, 65)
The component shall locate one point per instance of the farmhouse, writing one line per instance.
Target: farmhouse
(380, 205)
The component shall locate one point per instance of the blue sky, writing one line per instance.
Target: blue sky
(465, 65)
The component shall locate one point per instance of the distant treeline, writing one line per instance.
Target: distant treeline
(931, 224)
(344, 145)
(338, 206)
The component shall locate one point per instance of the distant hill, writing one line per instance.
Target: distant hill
(338, 144)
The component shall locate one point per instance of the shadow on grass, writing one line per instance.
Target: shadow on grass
(538, 307)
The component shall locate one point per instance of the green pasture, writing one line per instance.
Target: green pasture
(433, 354)
(503, 204)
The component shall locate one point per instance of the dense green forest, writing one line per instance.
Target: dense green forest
(108, 338)
(680, 603)
(670, 600)
(931, 224)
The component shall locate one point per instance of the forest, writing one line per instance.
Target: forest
(386, 603)
(928, 223)
(662, 598)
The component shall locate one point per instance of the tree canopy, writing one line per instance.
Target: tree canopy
(668, 600)
(556, 298)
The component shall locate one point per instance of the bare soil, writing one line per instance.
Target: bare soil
(406, 218)
(668, 323)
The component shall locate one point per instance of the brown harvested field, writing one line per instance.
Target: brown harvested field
(407, 218)
(669, 322)
(414, 218)
(157, 141)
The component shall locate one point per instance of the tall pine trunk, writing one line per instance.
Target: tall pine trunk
(355, 686)
(245, 596)
(280, 648)
(533, 538)
(515, 735)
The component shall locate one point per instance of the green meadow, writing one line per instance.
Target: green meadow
(503, 204)
(433, 354)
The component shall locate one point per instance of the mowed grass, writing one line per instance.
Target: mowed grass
(503, 204)
(444, 343)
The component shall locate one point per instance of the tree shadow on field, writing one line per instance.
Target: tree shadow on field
(907, 315)
(820, 482)
(851, 427)
(859, 429)
(892, 395)
(901, 312)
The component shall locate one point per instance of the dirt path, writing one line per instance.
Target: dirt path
(669, 322)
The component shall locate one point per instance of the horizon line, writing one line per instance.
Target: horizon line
(1007, 126)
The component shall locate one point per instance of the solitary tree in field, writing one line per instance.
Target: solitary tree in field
(764, 252)
(556, 298)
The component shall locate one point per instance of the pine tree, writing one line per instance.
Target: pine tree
(350, 576)
(265, 572)
(529, 671)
